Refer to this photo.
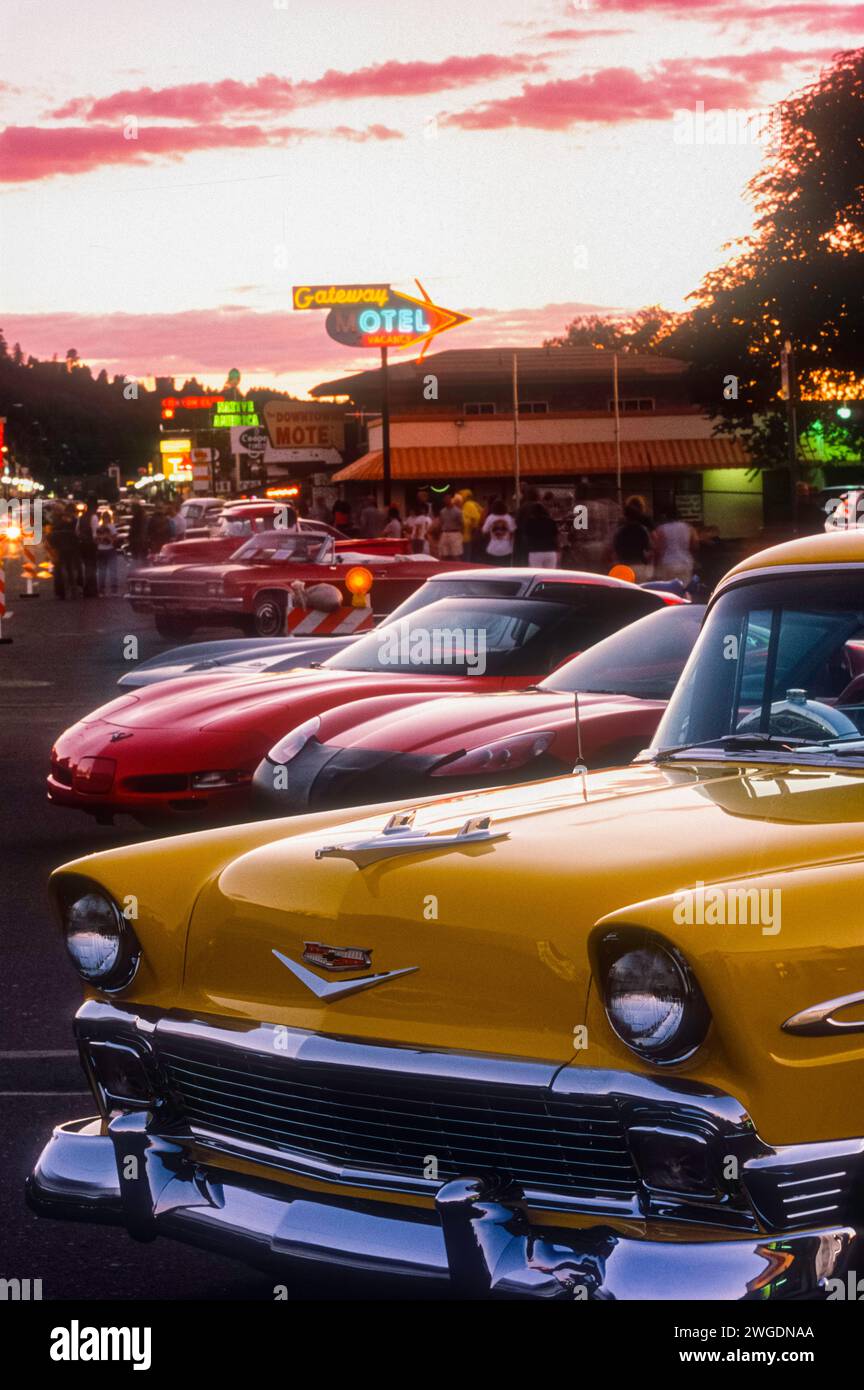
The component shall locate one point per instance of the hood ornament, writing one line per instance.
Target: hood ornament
(328, 991)
(400, 837)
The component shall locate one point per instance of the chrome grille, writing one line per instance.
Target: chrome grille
(572, 1146)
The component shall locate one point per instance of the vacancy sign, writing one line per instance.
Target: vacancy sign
(377, 316)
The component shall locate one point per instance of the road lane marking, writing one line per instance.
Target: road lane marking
(11, 1094)
(56, 1052)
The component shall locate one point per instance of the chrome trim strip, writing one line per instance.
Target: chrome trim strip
(817, 1021)
(277, 1040)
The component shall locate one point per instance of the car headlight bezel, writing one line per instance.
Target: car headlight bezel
(287, 748)
(121, 964)
(679, 1033)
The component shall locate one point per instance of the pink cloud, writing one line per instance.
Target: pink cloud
(264, 344)
(810, 17)
(267, 95)
(39, 152)
(578, 35)
(610, 96)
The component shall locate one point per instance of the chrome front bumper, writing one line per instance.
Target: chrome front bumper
(478, 1241)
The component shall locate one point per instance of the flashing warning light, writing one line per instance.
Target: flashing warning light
(623, 572)
(276, 492)
(168, 413)
(358, 582)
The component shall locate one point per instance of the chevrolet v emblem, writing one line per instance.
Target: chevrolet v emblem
(328, 991)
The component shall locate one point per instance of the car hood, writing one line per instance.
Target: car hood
(200, 573)
(222, 701)
(284, 653)
(497, 934)
(422, 724)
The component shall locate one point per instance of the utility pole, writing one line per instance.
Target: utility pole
(617, 414)
(385, 426)
(517, 470)
(788, 378)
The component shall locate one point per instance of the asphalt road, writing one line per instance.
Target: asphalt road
(64, 659)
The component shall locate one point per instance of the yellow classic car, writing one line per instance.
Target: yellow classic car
(600, 1036)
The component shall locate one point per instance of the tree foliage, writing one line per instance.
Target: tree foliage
(798, 276)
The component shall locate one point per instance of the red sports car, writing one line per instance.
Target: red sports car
(193, 744)
(410, 744)
(239, 522)
(250, 590)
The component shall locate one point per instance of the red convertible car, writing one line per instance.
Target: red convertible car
(237, 523)
(193, 744)
(250, 591)
(406, 744)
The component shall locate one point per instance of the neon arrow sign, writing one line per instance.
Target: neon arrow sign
(363, 316)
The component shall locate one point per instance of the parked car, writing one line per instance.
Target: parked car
(250, 590)
(201, 513)
(283, 653)
(237, 523)
(592, 1038)
(192, 745)
(600, 709)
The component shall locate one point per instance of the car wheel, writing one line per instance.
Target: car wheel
(169, 625)
(268, 615)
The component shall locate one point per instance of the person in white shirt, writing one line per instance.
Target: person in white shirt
(674, 548)
(417, 525)
(499, 528)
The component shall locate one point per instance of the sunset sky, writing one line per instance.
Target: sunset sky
(168, 171)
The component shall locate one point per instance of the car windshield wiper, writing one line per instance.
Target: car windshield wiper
(744, 743)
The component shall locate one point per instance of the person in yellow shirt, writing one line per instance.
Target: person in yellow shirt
(472, 516)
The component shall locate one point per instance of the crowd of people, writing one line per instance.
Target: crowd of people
(89, 556)
(86, 549)
(663, 549)
(464, 529)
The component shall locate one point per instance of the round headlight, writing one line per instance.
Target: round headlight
(653, 1001)
(100, 941)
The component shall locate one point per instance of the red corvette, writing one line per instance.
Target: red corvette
(250, 590)
(239, 522)
(193, 744)
(410, 744)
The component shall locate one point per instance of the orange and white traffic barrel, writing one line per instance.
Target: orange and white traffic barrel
(30, 573)
(312, 622)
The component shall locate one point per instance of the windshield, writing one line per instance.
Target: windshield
(644, 659)
(464, 636)
(778, 659)
(279, 547)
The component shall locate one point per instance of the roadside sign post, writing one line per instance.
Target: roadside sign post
(385, 427)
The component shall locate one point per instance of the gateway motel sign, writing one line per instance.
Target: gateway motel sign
(377, 316)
